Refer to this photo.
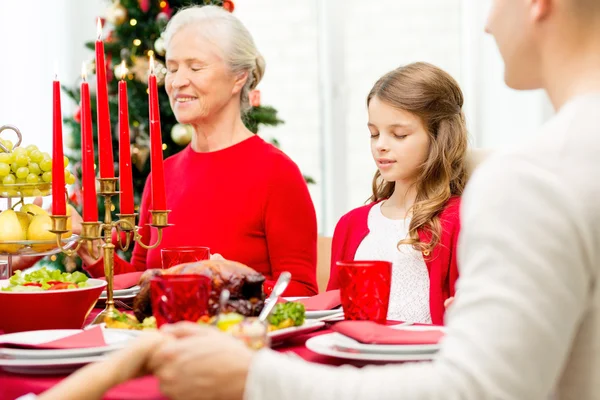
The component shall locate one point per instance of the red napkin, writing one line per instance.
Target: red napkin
(369, 332)
(87, 338)
(125, 281)
(323, 301)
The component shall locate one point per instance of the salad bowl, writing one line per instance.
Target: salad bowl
(59, 305)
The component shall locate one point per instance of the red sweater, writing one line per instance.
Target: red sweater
(248, 202)
(441, 263)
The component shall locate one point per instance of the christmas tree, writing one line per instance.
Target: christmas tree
(132, 32)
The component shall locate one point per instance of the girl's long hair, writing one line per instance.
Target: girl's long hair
(434, 96)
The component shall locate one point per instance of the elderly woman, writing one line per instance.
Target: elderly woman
(228, 190)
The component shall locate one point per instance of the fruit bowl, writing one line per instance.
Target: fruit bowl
(51, 309)
(25, 189)
(35, 247)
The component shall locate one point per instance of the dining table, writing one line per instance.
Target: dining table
(13, 386)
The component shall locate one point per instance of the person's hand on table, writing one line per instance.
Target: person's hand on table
(92, 381)
(202, 363)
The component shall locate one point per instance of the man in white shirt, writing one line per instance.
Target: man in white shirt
(526, 322)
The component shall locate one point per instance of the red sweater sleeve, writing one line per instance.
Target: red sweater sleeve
(291, 228)
(138, 258)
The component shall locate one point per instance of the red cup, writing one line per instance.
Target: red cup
(179, 298)
(172, 256)
(365, 289)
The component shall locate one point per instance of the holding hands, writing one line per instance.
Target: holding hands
(189, 360)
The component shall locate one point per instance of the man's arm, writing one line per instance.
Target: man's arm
(522, 294)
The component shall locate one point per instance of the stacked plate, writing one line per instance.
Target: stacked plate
(318, 313)
(124, 295)
(340, 346)
(55, 361)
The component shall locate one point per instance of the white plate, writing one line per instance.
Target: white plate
(58, 366)
(326, 345)
(308, 326)
(345, 343)
(316, 314)
(114, 341)
(123, 292)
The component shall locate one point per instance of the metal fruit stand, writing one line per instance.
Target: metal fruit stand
(15, 194)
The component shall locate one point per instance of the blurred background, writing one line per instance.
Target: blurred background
(323, 56)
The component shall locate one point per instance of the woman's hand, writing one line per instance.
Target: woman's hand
(203, 363)
(448, 301)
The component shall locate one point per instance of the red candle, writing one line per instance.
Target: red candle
(125, 174)
(88, 175)
(107, 169)
(59, 206)
(156, 157)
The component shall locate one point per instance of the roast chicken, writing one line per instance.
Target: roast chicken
(244, 284)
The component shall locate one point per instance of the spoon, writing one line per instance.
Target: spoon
(280, 286)
(223, 299)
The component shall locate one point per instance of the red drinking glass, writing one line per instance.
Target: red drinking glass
(172, 256)
(179, 298)
(365, 289)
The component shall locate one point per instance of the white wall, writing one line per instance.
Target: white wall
(33, 45)
(498, 116)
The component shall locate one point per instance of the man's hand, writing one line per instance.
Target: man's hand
(203, 363)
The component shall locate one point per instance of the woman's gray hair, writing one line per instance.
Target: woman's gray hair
(239, 50)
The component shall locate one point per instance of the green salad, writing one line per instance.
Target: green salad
(45, 279)
(288, 314)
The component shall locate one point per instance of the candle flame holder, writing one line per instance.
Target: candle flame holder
(97, 236)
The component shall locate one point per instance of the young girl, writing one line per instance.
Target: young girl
(418, 142)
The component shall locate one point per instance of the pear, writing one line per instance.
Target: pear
(33, 209)
(39, 229)
(10, 230)
(24, 219)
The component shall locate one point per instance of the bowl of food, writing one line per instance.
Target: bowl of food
(47, 299)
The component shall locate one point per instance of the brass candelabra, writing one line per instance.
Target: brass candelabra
(97, 236)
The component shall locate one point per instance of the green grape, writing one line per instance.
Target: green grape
(14, 167)
(4, 169)
(66, 161)
(31, 148)
(22, 172)
(9, 179)
(28, 192)
(69, 178)
(47, 176)
(21, 181)
(36, 192)
(20, 150)
(46, 164)
(7, 158)
(21, 160)
(36, 156)
(32, 178)
(34, 168)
